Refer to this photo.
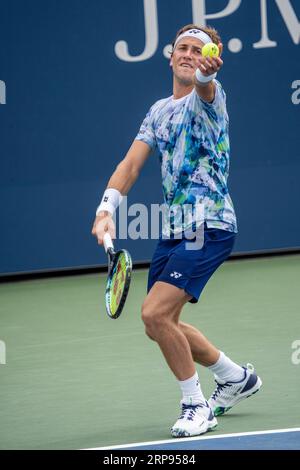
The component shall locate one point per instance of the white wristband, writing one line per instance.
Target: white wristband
(111, 199)
(203, 78)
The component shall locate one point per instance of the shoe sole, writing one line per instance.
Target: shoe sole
(219, 410)
(180, 433)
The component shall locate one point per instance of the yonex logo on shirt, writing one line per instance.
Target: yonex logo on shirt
(175, 274)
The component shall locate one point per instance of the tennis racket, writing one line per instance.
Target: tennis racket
(118, 279)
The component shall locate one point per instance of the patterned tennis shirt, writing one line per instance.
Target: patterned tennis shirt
(192, 138)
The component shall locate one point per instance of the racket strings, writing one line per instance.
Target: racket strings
(118, 283)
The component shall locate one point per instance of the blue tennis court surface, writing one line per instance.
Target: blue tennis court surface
(281, 439)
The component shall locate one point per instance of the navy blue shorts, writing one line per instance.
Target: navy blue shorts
(190, 269)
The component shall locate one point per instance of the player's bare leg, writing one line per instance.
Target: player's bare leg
(203, 351)
(160, 313)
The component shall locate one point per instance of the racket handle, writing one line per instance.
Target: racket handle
(107, 241)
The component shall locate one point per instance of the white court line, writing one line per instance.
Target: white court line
(196, 438)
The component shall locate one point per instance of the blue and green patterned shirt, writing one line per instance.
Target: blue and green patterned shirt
(192, 138)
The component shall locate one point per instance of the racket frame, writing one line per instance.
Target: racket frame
(113, 258)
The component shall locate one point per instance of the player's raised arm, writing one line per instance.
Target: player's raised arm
(118, 186)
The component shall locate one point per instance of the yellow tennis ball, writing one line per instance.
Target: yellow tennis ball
(210, 50)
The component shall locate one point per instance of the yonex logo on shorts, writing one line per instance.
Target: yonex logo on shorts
(175, 274)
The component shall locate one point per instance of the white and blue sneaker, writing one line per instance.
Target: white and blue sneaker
(194, 420)
(228, 394)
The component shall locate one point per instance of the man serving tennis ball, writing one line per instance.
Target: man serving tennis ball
(190, 130)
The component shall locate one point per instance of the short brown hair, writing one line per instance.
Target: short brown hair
(212, 33)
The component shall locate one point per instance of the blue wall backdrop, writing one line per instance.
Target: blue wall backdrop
(71, 102)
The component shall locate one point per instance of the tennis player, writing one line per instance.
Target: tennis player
(190, 130)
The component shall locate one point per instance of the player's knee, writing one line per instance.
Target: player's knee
(152, 320)
(147, 316)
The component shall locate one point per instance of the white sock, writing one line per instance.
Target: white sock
(227, 370)
(191, 391)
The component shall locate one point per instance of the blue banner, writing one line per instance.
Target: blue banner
(76, 80)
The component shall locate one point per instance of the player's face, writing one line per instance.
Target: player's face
(186, 59)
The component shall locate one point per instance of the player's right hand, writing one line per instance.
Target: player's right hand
(103, 223)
